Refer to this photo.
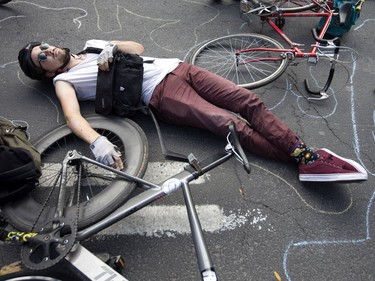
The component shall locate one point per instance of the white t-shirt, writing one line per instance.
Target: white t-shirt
(84, 75)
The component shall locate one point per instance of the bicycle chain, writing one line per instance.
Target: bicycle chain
(45, 204)
(63, 245)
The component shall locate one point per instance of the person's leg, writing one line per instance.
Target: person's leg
(175, 101)
(263, 133)
(320, 165)
(226, 95)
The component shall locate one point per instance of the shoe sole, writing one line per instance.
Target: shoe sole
(361, 175)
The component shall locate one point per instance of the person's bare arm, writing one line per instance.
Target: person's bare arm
(103, 150)
(106, 56)
(70, 106)
(130, 47)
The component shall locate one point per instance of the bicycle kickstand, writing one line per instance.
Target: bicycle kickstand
(322, 94)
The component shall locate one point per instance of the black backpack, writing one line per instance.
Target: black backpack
(20, 162)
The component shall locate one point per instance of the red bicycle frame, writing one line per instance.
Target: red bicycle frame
(294, 50)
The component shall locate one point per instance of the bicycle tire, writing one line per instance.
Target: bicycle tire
(4, 1)
(42, 275)
(29, 278)
(219, 56)
(108, 192)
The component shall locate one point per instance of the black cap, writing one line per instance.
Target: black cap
(26, 63)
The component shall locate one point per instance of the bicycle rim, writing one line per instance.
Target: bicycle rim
(101, 192)
(246, 70)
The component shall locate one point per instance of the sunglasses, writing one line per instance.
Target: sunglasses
(42, 56)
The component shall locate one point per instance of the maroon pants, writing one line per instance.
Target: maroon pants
(196, 97)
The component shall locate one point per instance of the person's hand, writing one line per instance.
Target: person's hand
(106, 57)
(107, 153)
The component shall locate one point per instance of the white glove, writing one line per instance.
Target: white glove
(106, 56)
(106, 153)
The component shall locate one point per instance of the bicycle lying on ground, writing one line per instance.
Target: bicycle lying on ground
(254, 60)
(77, 197)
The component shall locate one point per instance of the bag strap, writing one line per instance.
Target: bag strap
(93, 50)
(90, 50)
(166, 152)
(23, 173)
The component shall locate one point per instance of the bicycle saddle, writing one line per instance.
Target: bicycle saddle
(345, 11)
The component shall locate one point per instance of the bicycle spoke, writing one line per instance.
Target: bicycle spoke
(248, 60)
(101, 192)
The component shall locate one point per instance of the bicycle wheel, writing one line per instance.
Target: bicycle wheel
(4, 1)
(29, 278)
(101, 191)
(42, 275)
(250, 69)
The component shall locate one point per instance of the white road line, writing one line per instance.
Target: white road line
(169, 221)
(157, 172)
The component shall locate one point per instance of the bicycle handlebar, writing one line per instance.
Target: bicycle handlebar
(321, 40)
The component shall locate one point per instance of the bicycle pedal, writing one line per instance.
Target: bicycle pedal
(117, 263)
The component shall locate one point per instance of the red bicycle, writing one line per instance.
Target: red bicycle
(254, 60)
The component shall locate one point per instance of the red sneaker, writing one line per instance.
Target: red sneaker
(331, 167)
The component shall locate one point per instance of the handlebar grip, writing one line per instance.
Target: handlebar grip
(238, 147)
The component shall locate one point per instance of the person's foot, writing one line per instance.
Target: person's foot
(331, 167)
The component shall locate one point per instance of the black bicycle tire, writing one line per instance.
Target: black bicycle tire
(29, 277)
(298, 9)
(4, 1)
(249, 37)
(62, 273)
(20, 213)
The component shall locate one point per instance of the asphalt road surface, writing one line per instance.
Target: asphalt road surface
(257, 224)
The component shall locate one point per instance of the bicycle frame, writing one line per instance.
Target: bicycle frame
(151, 193)
(155, 192)
(294, 51)
(171, 185)
(297, 52)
